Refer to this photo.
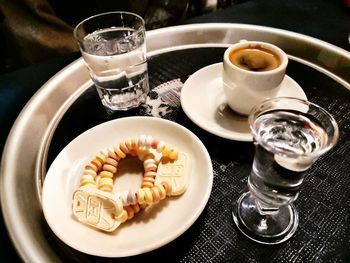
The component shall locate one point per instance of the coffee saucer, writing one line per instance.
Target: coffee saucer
(204, 102)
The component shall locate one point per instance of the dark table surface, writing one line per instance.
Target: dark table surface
(328, 20)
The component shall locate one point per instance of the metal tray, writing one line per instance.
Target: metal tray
(29, 140)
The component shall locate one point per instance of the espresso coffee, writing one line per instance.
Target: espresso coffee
(254, 58)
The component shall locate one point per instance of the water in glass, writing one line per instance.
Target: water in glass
(117, 61)
(285, 143)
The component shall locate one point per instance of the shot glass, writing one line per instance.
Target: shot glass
(114, 49)
(289, 136)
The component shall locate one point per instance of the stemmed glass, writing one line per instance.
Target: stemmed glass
(289, 136)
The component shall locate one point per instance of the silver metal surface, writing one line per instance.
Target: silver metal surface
(24, 156)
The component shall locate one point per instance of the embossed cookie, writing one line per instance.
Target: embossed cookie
(97, 208)
(176, 173)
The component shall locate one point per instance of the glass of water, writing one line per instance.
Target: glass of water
(114, 49)
(289, 136)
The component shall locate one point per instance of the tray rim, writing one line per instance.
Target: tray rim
(28, 248)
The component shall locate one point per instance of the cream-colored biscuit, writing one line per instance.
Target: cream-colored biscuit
(97, 208)
(175, 173)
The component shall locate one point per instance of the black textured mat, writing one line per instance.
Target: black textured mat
(323, 234)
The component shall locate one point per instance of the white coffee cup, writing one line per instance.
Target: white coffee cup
(245, 88)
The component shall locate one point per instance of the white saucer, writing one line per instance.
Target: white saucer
(148, 230)
(203, 100)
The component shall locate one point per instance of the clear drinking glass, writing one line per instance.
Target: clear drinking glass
(113, 47)
(289, 136)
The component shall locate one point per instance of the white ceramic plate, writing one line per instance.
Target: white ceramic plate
(203, 100)
(150, 229)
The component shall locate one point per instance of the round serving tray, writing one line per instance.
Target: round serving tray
(29, 140)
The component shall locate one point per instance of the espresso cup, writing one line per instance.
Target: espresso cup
(252, 72)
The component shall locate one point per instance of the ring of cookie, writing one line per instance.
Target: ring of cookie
(99, 173)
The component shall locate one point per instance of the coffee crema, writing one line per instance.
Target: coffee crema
(254, 58)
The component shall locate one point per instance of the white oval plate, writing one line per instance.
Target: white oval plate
(204, 102)
(149, 229)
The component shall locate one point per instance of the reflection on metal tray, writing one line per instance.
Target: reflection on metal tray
(45, 126)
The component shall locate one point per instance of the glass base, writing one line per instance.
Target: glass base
(272, 228)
